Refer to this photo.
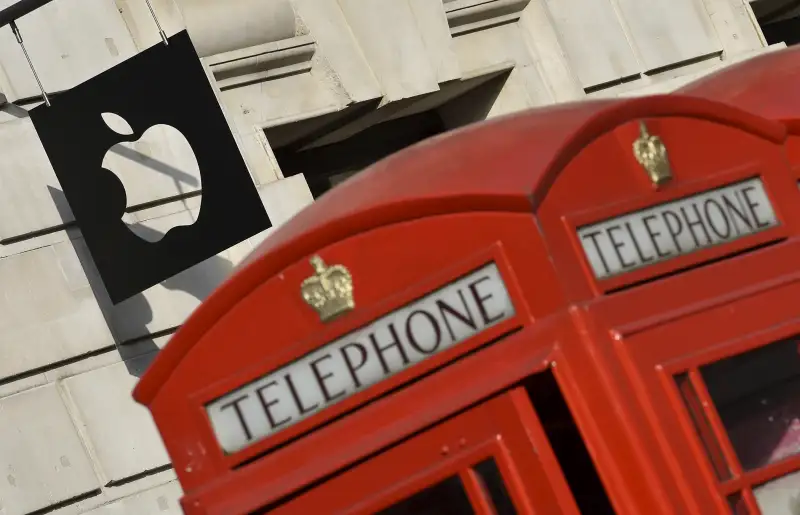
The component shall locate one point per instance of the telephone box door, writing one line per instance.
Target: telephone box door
(722, 387)
(492, 459)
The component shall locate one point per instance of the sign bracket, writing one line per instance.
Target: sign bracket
(18, 35)
(10, 15)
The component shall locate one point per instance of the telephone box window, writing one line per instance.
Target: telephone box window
(493, 484)
(445, 498)
(757, 396)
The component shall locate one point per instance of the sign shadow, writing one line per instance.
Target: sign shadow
(129, 320)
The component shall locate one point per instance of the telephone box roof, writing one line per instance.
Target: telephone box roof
(766, 85)
(452, 173)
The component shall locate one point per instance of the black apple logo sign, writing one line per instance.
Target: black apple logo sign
(162, 153)
(160, 98)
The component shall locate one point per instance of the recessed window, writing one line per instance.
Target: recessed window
(779, 20)
(445, 498)
(757, 396)
(330, 148)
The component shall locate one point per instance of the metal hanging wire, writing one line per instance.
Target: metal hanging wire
(32, 5)
(155, 18)
(18, 35)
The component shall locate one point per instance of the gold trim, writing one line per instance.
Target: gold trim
(329, 291)
(651, 153)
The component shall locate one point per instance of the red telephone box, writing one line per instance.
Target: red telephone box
(589, 308)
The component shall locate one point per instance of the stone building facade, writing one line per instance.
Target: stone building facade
(314, 90)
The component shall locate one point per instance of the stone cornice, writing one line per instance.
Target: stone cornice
(262, 62)
(470, 15)
(221, 26)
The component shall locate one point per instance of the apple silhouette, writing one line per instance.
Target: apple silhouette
(157, 165)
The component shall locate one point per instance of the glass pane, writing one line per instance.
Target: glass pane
(493, 483)
(781, 496)
(702, 426)
(445, 498)
(757, 395)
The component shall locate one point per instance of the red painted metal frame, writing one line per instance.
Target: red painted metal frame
(584, 196)
(750, 321)
(257, 484)
(479, 239)
(437, 280)
(427, 216)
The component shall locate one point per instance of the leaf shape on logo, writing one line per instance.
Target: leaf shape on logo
(117, 124)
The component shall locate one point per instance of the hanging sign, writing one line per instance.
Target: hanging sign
(163, 85)
(675, 228)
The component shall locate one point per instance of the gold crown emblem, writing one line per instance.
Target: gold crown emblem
(329, 291)
(651, 153)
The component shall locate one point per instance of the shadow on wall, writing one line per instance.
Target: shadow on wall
(14, 110)
(129, 319)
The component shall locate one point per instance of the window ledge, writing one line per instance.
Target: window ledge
(262, 62)
(470, 15)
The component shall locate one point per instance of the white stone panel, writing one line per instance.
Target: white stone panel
(532, 78)
(285, 198)
(144, 349)
(432, 22)
(512, 98)
(26, 204)
(48, 312)
(391, 41)
(161, 500)
(593, 39)
(42, 459)
(258, 155)
(140, 21)
(667, 33)
(110, 495)
(279, 101)
(541, 36)
(111, 356)
(20, 385)
(68, 42)
(487, 49)
(122, 433)
(328, 25)
(737, 28)
(216, 27)
(44, 240)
